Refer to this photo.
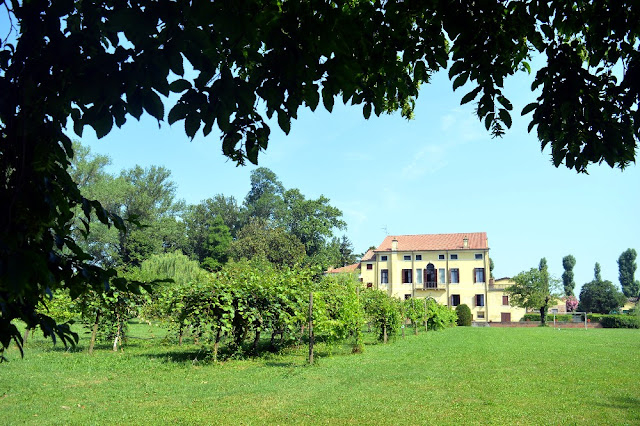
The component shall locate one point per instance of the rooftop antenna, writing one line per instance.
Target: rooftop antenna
(384, 228)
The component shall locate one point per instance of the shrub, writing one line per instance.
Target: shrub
(464, 315)
(620, 321)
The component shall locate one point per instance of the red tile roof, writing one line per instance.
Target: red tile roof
(348, 268)
(477, 240)
(368, 256)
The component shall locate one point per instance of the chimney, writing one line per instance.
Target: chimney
(465, 242)
(394, 245)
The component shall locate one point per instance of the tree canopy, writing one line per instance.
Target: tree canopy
(99, 63)
(534, 289)
(627, 269)
(600, 296)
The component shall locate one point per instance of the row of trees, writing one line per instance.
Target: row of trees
(248, 306)
(537, 289)
(626, 267)
(278, 224)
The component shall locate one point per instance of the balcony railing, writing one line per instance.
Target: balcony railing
(432, 285)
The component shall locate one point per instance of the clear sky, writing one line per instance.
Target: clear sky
(439, 173)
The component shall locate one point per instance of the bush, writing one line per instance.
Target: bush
(620, 321)
(464, 315)
(559, 317)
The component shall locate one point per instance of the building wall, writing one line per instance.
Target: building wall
(466, 288)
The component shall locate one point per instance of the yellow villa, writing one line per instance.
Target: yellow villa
(453, 269)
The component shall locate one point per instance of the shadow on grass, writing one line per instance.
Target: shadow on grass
(623, 403)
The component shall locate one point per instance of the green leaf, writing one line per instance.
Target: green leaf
(178, 112)
(153, 104)
(327, 99)
(505, 117)
(284, 121)
(470, 96)
(366, 111)
(460, 80)
(505, 102)
(488, 120)
(176, 63)
(192, 124)
(103, 125)
(527, 109)
(179, 85)
(419, 72)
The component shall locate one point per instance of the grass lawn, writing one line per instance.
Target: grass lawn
(457, 376)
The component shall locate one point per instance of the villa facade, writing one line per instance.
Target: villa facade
(453, 269)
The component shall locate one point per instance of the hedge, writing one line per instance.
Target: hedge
(620, 321)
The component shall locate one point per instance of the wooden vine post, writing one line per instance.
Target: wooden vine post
(311, 328)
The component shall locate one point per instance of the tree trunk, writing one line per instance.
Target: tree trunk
(384, 333)
(215, 346)
(255, 341)
(180, 333)
(543, 312)
(94, 332)
(26, 336)
(119, 330)
(415, 329)
(403, 327)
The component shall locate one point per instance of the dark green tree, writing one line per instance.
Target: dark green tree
(347, 255)
(597, 276)
(600, 296)
(568, 262)
(253, 60)
(464, 315)
(627, 269)
(218, 245)
(265, 198)
(311, 221)
(259, 240)
(491, 266)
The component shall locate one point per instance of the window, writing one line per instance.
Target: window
(478, 275)
(406, 276)
(384, 276)
(480, 315)
(455, 299)
(418, 257)
(455, 276)
(442, 276)
(454, 257)
(383, 258)
(369, 285)
(441, 257)
(505, 300)
(478, 256)
(407, 257)
(419, 276)
(407, 296)
(369, 266)
(479, 299)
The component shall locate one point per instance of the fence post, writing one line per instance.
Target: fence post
(310, 327)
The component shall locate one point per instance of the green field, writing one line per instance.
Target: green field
(457, 376)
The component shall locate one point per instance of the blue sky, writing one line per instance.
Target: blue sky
(439, 173)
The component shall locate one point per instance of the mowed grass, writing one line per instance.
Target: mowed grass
(457, 376)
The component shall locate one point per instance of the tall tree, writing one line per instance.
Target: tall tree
(568, 262)
(347, 255)
(597, 276)
(311, 221)
(534, 289)
(264, 200)
(627, 269)
(286, 54)
(218, 244)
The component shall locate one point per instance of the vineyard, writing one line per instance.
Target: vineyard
(246, 308)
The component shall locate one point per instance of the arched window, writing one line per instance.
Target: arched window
(430, 277)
